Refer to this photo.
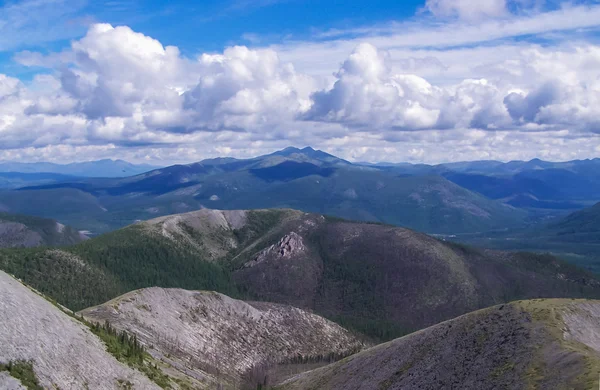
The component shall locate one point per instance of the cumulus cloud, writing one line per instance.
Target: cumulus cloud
(368, 94)
(550, 91)
(243, 88)
(117, 92)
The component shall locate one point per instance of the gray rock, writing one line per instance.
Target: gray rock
(216, 338)
(64, 352)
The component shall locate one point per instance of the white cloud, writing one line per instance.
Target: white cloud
(370, 95)
(117, 92)
(470, 10)
(244, 89)
(366, 94)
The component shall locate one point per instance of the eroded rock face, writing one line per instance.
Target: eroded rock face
(290, 245)
(218, 339)
(582, 323)
(65, 354)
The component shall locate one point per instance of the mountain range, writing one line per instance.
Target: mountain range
(99, 168)
(17, 175)
(535, 184)
(283, 299)
(454, 198)
(304, 179)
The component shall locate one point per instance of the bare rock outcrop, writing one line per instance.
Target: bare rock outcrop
(217, 339)
(291, 244)
(64, 353)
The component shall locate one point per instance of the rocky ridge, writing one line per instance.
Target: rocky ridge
(219, 340)
(63, 351)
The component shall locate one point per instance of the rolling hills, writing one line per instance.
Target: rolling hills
(304, 179)
(546, 344)
(21, 231)
(380, 280)
(534, 184)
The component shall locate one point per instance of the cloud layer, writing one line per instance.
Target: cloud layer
(119, 93)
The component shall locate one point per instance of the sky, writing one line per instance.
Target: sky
(400, 81)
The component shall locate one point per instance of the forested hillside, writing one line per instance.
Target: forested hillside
(23, 231)
(378, 279)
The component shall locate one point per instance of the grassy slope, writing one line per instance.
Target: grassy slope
(519, 345)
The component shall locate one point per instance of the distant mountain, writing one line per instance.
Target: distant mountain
(22, 231)
(530, 184)
(545, 344)
(575, 237)
(514, 167)
(377, 279)
(100, 168)
(11, 180)
(305, 179)
(584, 224)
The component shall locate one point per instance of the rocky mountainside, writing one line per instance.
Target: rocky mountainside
(62, 352)
(22, 231)
(380, 280)
(541, 344)
(216, 340)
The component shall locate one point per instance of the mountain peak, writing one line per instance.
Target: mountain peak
(309, 152)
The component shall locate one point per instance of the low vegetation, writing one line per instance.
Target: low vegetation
(23, 371)
(127, 349)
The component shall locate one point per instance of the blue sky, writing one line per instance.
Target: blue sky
(199, 26)
(420, 81)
